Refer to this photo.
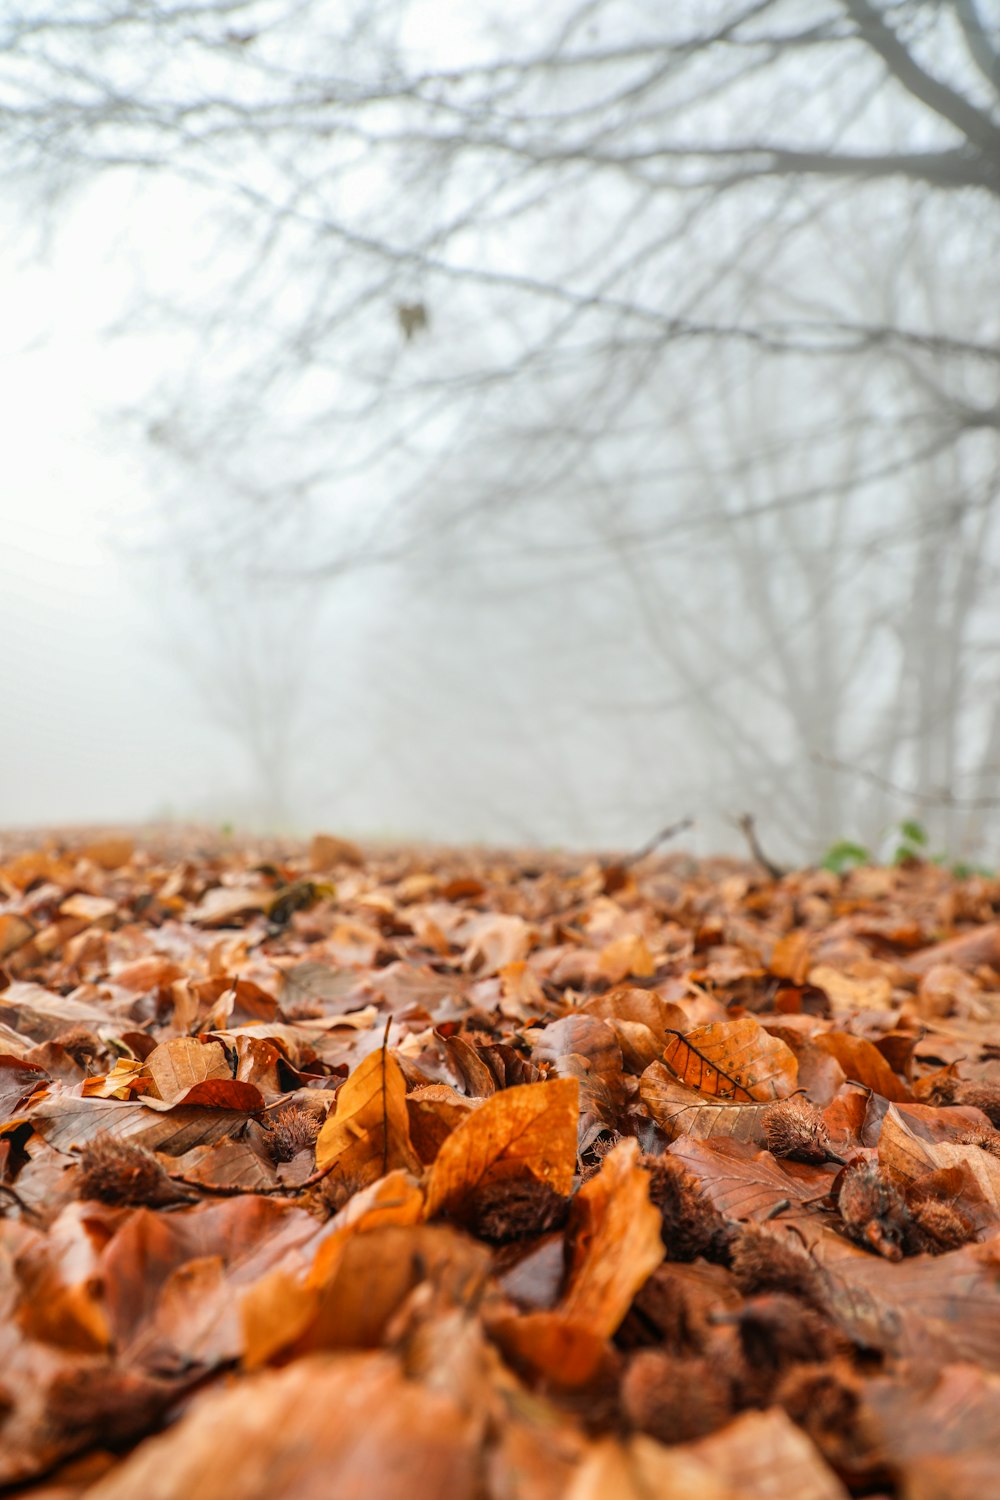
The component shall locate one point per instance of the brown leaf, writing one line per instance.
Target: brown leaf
(587, 1049)
(764, 1456)
(744, 1182)
(435, 1110)
(529, 1130)
(642, 1021)
(847, 993)
(682, 1111)
(327, 851)
(295, 1299)
(18, 1081)
(368, 1132)
(616, 1239)
(37, 1013)
(735, 1060)
(565, 1350)
(67, 1123)
(109, 853)
(965, 951)
(222, 906)
(176, 1066)
(863, 1063)
(348, 1425)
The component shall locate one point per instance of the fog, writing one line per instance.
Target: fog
(536, 430)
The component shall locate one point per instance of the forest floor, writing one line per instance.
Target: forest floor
(414, 1173)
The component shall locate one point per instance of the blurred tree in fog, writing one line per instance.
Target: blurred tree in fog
(658, 346)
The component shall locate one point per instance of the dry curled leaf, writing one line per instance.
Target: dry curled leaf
(615, 1232)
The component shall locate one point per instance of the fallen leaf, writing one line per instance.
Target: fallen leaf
(615, 1232)
(368, 1132)
(682, 1111)
(736, 1060)
(177, 1065)
(587, 1049)
(863, 1063)
(746, 1183)
(530, 1130)
(764, 1456)
(327, 851)
(349, 1425)
(18, 1081)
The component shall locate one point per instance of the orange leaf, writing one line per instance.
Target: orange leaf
(735, 1060)
(368, 1133)
(529, 1130)
(617, 1241)
(863, 1063)
(179, 1064)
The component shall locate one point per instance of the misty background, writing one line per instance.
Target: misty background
(503, 422)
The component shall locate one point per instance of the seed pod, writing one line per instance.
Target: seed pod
(794, 1127)
(873, 1211)
(121, 1172)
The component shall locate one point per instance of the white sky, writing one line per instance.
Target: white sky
(94, 718)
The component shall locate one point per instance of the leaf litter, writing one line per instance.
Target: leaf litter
(458, 1173)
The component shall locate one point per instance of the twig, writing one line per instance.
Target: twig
(670, 832)
(747, 827)
(936, 797)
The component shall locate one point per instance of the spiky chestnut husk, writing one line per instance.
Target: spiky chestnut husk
(82, 1045)
(690, 1224)
(292, 1130)
(873, 1211)
(979, 1094)
(824, 1399)
(776, 1330)
(515, 1209)
(794, 1127)
(768, 1260)
(675, 1400)
(983, 1137)
(124, 1174)
(116, 1404)
(938, 1227)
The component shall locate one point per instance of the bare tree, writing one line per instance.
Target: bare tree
(594, 295)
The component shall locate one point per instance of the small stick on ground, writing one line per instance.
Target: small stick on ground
(665, 834)
(745, 823)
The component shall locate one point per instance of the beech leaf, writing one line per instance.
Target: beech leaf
(735, 1060)
(528, 1130)
(616, 1241)
(368, 1133)
(683, 1111)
